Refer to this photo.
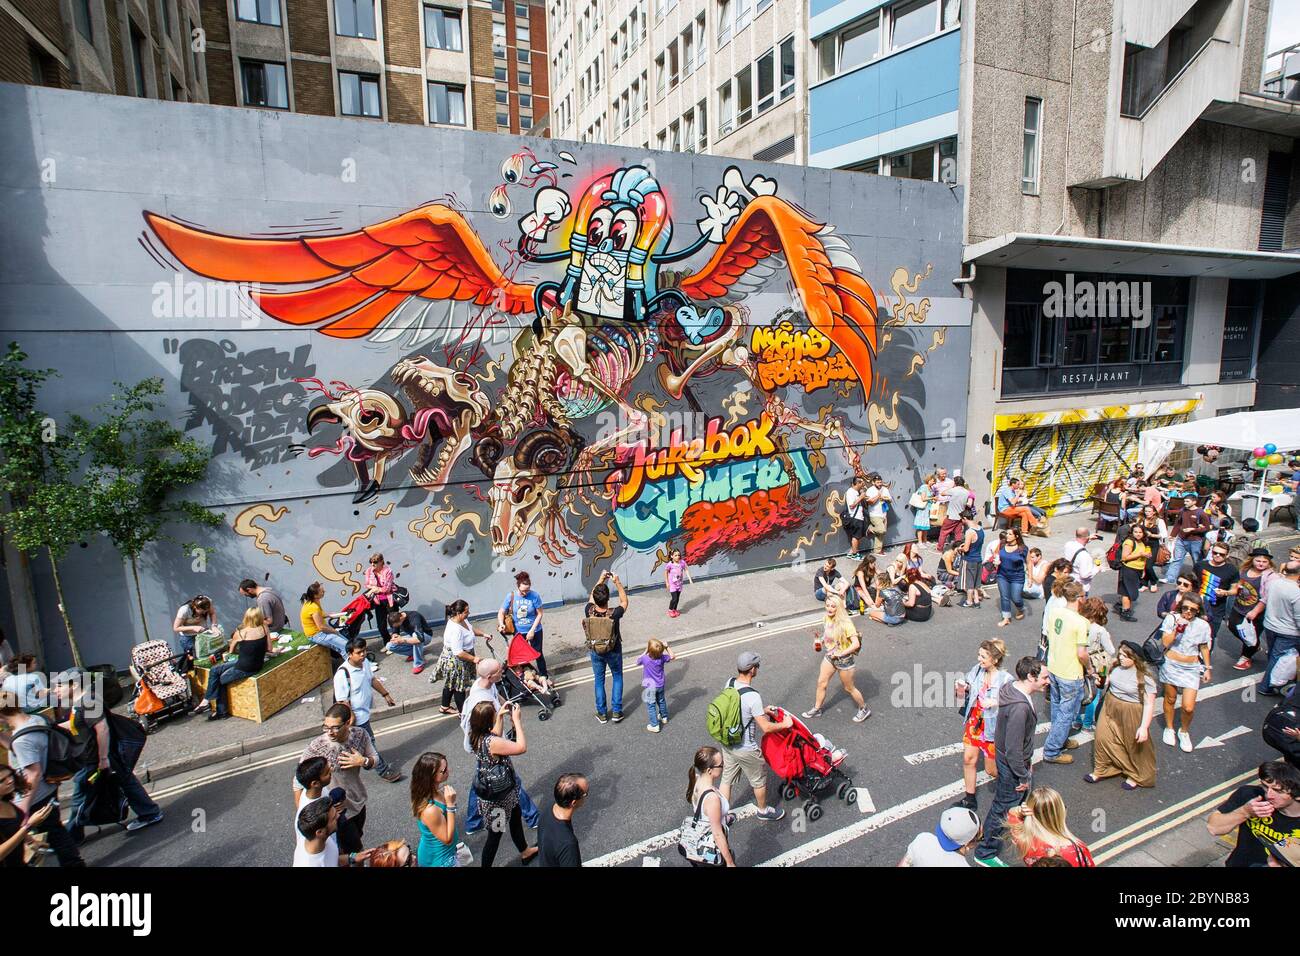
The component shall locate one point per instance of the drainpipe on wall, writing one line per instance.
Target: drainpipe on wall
(963, 280)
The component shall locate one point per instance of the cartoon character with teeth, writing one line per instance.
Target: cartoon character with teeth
(619, 240)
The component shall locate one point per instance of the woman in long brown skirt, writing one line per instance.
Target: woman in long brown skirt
(1123, 744)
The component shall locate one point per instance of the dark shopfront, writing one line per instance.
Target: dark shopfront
(1069, 337)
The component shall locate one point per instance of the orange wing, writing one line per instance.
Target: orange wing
(359, 277)
(839, 302)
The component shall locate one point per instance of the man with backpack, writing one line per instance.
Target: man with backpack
(1083, 567)
(736, 720)
(109, 744)
(44, 755)
(605, 644)
(355, 684)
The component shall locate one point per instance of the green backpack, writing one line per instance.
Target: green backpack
(724, 722)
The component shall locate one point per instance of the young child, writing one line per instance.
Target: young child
(652, 662)
(674, 571)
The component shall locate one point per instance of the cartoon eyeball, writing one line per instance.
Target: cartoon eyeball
(499, 203)
(512, 169)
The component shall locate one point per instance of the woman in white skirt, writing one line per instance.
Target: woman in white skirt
(1186, 637)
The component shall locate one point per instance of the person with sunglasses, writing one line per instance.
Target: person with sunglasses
(1219, 580)
(1170, 601)
(707, 800)
(348, 750)
(1186, 637)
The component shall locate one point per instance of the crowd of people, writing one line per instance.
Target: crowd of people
(1221, 576)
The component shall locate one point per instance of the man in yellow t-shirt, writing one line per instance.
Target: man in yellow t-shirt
(1067, 662)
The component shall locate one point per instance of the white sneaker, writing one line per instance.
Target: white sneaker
(1184, 741)
(653, 728)
(1169, 738)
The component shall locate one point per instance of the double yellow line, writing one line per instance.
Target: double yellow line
(1216, 795)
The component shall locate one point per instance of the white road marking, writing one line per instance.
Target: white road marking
(660, 842)
(948, 750)
(1218, 741)
(865, 803)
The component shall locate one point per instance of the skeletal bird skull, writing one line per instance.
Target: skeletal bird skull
(372, 417)
(448, 405)
(519, 499)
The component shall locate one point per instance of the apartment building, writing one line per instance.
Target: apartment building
(724, 77)
(463, 63)
(150, 48)
(1132, 229)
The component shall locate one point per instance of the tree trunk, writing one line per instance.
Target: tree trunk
(139, 599)
(63, 610)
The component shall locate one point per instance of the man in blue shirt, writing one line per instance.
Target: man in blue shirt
(525, 606)
(1011, 504)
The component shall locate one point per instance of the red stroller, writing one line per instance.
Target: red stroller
(807, 766)
(520, 656)
(352, 617)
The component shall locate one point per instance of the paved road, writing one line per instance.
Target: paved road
(239, 814)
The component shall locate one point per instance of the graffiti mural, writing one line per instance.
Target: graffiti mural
(615, 310)
(483, 354)
(1062, 455)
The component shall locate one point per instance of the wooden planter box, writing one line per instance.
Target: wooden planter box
(276, 686)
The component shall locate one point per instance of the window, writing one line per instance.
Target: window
(499, 40)
(688, 130)
(521, 11)
(521, 56)
(726, 109)
(498, 6)
(761, 6)
(503, 98)
(1030, 161)
(767, 81)
(442, 29)
(744, 95)
(258, 11)
(45, 70)
(701, 42)
(948, 160)
(447, 104)
(264, 84)
(1240, 330)
(503, 120)
(84, 22)
(525, 123)
(521, 33)
(358, 94)
(870, 166)
(355, 18)
(166, 17)
(675, 137)
(661, 78)
(914, 164)
(525, 79)
(913, 21)
(724, 22)
(500, 74)
(858, 45)
(787, 68)
(951, 13)
(525, 101)
(743, 14)
(688, 53)
(674, 65)
(194, 55)
(139, 53)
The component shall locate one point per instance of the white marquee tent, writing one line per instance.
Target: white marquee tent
(1244, 430)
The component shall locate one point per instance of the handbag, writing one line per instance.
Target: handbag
(146, 702)
(988, 572)
(696, 841)
(1153, 648)
(916, 502)
(508, 626)
(1163, 555)
(401, 597)
(492, 781)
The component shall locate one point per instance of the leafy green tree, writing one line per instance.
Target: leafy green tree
(135, 467)
(38, 465)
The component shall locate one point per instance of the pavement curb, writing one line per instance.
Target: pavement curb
(263, 742)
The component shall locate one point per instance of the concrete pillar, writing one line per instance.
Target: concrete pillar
(986, 331)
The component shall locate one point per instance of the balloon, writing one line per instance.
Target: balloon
(1270, 448)
(1275, 459)
(1259, 452)
(1261, 462)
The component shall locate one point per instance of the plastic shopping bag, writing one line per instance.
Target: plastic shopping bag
(1283, 671)
(1246, 631)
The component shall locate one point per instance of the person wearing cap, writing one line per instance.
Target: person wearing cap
(757, 720)
(87, 717)
(489, 671)
(1281, 621)
(951, 842)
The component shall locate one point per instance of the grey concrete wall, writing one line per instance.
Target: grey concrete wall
(88, 286)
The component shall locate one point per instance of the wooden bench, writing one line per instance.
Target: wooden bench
(277, 685)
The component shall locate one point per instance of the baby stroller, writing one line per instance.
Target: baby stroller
(519, 674)
(350, 620)
(807, 765)
(161, 691)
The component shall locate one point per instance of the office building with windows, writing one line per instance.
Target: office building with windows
(150, 48)
(712, 76)
(1132, 229)
(479, 65)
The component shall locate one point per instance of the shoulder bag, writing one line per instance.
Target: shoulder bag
(508, 627)
(492, 779)
(696, 841)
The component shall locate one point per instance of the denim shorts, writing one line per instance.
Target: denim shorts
(894, 619)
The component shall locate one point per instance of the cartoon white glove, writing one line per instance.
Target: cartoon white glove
(721, 210)
(550, 208)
